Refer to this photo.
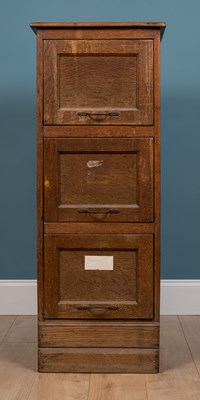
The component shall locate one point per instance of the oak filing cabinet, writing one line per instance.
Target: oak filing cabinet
(98, 196)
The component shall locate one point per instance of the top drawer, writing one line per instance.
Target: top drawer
(98, 82)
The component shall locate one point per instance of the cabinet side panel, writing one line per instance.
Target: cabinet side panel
(157, 176)
(40, 173)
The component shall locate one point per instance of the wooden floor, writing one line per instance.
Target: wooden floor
(179, 377)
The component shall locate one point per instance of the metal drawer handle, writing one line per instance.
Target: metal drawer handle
(110, 211)
(91, 308)
(87, 114)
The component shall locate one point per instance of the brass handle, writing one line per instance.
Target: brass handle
(88, 114)
(110, 211)
(92, 308)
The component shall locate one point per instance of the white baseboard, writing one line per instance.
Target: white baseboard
(18, 297)
(180, 297)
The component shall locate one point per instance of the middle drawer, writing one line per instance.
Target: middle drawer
(98, 179)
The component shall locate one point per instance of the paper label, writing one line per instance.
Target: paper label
(99, 263)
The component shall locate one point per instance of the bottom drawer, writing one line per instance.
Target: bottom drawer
(98, 276)
(99, 360)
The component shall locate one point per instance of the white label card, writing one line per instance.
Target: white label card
(101, 263)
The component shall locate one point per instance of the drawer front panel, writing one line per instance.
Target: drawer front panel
(99, 360)
(79, 333)
(98, 276)
(99, 82)
(107, 180)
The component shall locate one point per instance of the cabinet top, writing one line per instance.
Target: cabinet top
(60, 25)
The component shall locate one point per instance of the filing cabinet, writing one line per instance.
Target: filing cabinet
(98, 196)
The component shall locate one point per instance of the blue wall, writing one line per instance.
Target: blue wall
(180, 125)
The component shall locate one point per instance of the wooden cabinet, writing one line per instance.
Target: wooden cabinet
(98, 185)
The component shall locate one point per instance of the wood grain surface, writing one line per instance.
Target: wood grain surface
(69, 288)
(103, 70)
(98, 334)
(98, 175)
(119, 360)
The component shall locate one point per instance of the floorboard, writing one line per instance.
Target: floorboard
(23, 330)
(6, 322)
(178, 378)
(18, 364)
(117, 387)
(60, 387)
(191, 328)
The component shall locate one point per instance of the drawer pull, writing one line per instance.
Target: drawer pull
(110, 211)
(87, 114)
(92, 308)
